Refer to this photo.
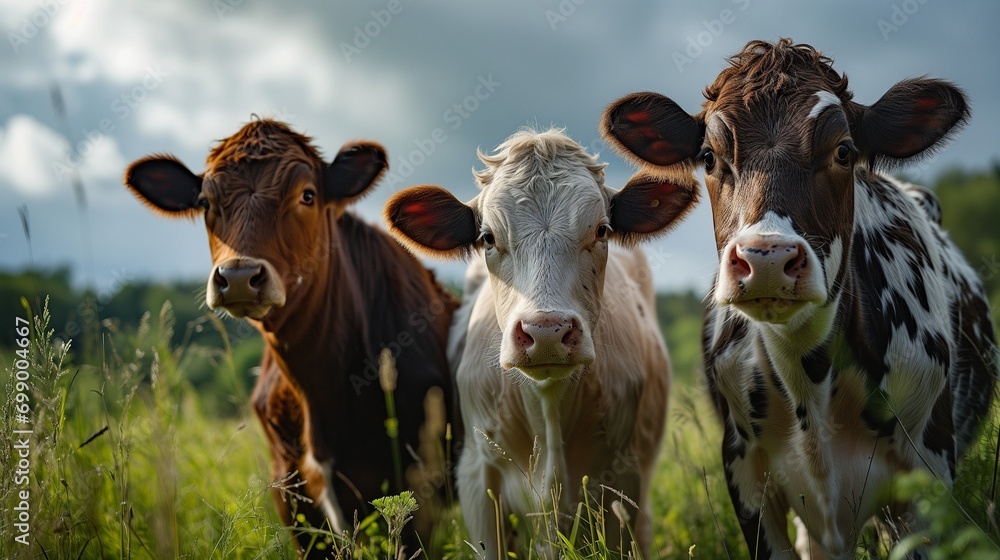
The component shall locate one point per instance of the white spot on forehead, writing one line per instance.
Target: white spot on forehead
(825, 100)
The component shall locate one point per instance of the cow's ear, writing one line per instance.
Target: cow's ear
(429, 219)
(353, 171)
(651, 129)
(649, 205)
(911, 119)
(165, 184)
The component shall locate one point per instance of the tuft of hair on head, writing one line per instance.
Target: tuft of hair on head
(261, 138)
(528, 149)
(763, 68)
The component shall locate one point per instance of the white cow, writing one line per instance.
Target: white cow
(557, 340)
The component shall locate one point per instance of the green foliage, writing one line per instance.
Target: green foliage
(126, 464)
(680, 316)
(949, 530)
(129, 462)
(397, 511)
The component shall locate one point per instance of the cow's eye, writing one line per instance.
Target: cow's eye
(308, 197)
(708, 157)
(603, 231)
(844, 152)
(202, 203)
(488, 239)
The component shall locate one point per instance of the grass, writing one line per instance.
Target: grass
(128, 461)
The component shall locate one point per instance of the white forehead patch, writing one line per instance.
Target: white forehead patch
(825, 100)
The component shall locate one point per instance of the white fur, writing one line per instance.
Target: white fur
(837, 464)
(609, 415)
(824, 99)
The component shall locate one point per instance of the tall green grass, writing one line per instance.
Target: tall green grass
(126, 464)
(128, 461)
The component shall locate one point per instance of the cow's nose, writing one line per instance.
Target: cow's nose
(548, 338)
(240, 283)
(767, 266)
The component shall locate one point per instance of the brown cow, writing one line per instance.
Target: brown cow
(328, 292)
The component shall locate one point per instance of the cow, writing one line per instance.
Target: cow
(847, 339)
(560, 367)
(328, 293)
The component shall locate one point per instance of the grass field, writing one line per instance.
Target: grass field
(127, 461)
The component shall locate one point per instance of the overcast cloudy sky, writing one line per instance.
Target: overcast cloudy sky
(143, 77)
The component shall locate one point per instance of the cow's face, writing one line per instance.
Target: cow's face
(266, 210)
(781, 184)
(543, 221)
(545, 237)
(781, 141)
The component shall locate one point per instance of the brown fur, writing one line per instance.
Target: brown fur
(763, 72)
(351, 291)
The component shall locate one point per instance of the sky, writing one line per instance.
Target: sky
(137, 78)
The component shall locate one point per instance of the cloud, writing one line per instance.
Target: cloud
(27, 150)
(288, 61)
(218, 70)
(35, 160)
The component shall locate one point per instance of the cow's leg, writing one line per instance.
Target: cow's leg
(279, 410)
(759, 504)
(627, 480)
(816, 431)
(805, 545)
(475, 476)
(326, 499)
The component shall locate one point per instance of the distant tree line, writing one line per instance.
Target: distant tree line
(102, 323)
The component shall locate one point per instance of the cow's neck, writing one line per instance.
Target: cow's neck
(804, 356)
(320, 335)
(789, 345)
(544, 407)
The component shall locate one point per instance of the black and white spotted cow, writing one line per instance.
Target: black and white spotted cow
(847, 338)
